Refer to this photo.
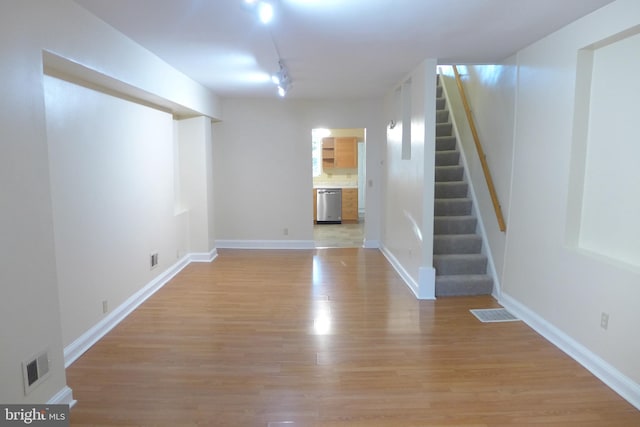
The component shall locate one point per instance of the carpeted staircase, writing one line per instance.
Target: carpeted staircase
(460, 266)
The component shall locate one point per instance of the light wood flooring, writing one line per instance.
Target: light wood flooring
(327, 337)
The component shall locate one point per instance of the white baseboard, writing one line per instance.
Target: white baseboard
(74, 350)
(408, 280)
(425, 288)
(204, 256)
(427, 283)
(265, 244)
(63, 397)
(620, 383)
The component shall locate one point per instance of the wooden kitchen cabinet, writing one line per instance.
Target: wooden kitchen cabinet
(328, 153)
(346, 152)
(350, 205)
(339, 153)
(315, 206)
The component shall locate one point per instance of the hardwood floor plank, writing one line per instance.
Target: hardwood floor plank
(326, 338)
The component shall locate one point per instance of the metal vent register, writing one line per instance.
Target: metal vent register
(488, 315)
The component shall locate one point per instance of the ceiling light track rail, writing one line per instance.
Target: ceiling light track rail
(265, 13)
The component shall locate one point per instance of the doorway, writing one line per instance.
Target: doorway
(339, 162)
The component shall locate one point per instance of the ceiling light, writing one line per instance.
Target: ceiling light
(282, 79)
(263, 9)
(265, 12)
(277, 78)
(283, 88)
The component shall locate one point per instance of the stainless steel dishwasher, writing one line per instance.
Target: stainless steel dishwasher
(329, 205)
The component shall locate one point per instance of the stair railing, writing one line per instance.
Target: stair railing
(483, 158)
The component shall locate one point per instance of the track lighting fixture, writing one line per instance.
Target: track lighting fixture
(281, 79)
(265, 12)
(263, 9)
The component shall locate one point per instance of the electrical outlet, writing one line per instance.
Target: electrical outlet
(604, 320)
(285, 231)
(105, 306)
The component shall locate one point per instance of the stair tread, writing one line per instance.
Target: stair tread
(458, 236)
(453, 199)
(460, 256)
(459, 277)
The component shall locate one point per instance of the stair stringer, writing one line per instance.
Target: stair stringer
(486, 248)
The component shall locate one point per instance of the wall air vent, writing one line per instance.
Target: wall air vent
(35, 370)
(154, 260)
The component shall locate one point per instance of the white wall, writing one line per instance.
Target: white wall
(196, 181)
(111, 167)
(262, 166)
(409, 183)
(29, 308)
(562, 286)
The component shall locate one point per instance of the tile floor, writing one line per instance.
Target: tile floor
(338, 235)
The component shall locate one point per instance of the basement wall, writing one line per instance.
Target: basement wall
(262, 168)
(30, 307)
(407, 227)
(560, 287)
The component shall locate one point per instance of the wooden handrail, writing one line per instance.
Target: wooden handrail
(483, 159)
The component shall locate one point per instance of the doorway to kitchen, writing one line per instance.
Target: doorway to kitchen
(338, 163)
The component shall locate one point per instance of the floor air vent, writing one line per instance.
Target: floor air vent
(488, 315)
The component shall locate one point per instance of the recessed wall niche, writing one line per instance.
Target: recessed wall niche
(604, 192)
(406, 120)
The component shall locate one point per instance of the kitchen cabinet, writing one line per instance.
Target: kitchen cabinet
(349, 204)
(339, 153)
(315, 206)
(328, 153)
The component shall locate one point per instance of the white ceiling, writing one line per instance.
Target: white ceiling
(332, 48)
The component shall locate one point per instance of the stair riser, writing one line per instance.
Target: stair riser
(441, 104)
(438, 91)
(449, 190)
(457, 266)
(454, 225)
(449, 173)
(445, 143)
(450, 245)
(463, 285)
(447, 207)
(447, 158)
(444, 129)
(442, 116)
